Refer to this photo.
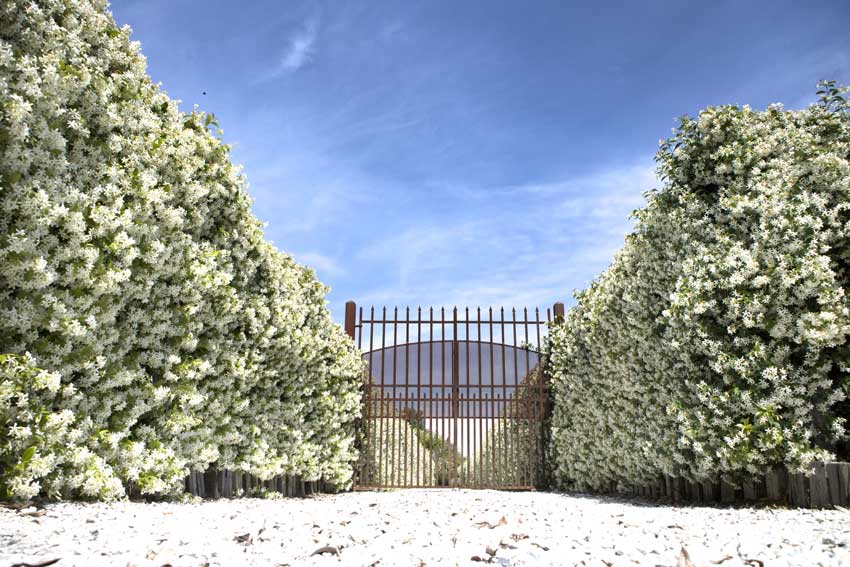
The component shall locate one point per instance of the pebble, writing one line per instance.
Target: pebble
(421, 528)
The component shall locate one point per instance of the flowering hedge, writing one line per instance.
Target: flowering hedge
(716, 342)
(149, 327)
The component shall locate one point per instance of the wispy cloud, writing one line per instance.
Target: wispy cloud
(611, 194)
(566, 233)
(323, 264)
(300, 50)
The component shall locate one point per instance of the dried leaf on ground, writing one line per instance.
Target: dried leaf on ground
(37, 564)
(16, 505)
(33, 513)
(685, 559)
(485, 524)
(327, 549)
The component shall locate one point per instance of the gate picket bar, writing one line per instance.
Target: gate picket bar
(459, 402)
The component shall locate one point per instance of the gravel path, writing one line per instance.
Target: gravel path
(422, 527)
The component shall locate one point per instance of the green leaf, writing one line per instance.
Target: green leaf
(27, 456)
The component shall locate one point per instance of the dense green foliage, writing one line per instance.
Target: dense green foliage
(152, 328)
(716, 342)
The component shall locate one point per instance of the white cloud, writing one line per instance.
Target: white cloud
(610, 194)
(521, 246)
(300, 50)
(324, 265)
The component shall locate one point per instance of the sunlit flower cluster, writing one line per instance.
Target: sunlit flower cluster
(154, 330)
(716, 342)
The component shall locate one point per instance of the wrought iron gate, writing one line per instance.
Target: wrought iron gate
(451, 398)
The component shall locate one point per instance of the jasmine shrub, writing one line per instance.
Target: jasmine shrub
(716, 342)
(147, 326)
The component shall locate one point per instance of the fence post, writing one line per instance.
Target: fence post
(558, 312)
(350, 318)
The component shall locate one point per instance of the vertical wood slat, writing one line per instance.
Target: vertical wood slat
(727, 492)
(777, 485)
(705, 491)
(797, 490)
(819, 492)
(749, 490)
(843, 483)
(216, 483)
(678, 489)
(210, 485)
(827, 486)
(691, 491)
(834, 483)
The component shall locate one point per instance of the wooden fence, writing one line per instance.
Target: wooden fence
(829, 486)
(228, 484)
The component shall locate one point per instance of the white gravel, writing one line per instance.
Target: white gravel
(422, 527)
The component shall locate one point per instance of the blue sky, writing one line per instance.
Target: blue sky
(469, 153)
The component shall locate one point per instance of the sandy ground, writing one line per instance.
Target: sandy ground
(422, 527)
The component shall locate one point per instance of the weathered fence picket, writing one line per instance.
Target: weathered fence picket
(213, 484)
(828, 486)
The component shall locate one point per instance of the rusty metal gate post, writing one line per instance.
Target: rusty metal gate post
(455, 395)
(359, 424)
(350, 318)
